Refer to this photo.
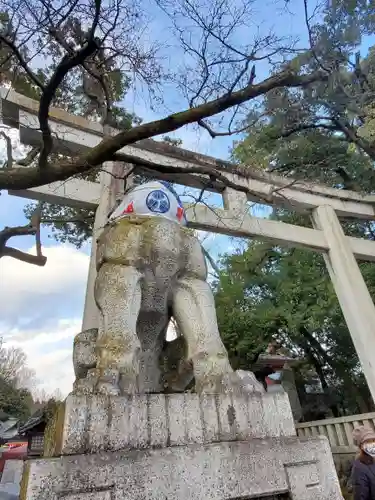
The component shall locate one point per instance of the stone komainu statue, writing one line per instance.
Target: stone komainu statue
(151, 268)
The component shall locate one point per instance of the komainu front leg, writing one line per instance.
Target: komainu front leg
(194, 311)
(118, 295)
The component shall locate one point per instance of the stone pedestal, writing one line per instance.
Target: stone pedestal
(11, 479)
(180, 447)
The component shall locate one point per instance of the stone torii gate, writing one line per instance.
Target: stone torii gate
(75, 134)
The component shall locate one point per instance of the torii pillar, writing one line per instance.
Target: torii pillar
(112, 184)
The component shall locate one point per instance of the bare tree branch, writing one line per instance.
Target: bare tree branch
(67, 63)
(352, 135)
(10, 232)
(30, 157)
(21, 178)
(212, 262)
(9, 149)
(30, 229)
(308, 126)
(228, 133)
(311, 41)
(21, 60)
(24, 256)
(35, 222)
(13, 366)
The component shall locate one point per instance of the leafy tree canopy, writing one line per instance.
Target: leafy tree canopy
(323, 134)
(14, 402)
(267, 292)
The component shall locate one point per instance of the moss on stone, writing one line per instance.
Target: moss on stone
(54, 431)
(132, 239)
(24, 481)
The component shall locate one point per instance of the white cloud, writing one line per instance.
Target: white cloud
(41, 312)
(49, 353)
(19, 150)
(31, 294)
(63, 264)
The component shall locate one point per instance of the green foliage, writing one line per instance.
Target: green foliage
(172, 141)
(67, 224)
(267, 292)
(314, 155)
(72, 95)
(9, 66)
(15, 402)
(123, 119)
(319, 131)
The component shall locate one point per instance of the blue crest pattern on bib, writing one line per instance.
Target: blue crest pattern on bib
(158, 202)
(152, 199)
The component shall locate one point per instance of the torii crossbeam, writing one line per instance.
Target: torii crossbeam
(75, 134)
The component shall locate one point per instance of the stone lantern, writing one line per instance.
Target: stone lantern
(281, 361)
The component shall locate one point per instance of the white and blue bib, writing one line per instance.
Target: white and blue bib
(155, 198)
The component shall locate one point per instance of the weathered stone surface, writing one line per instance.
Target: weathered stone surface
(149, 269)
(84, 355)
(11, 479)
(216, 471)
(12, 472)
(96, 423)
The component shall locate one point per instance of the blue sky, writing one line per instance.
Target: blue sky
(41, 308)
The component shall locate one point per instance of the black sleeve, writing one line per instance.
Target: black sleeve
(361, 483)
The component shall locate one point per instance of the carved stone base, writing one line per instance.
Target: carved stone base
(89, 424)
(179, 447)
(228, 470)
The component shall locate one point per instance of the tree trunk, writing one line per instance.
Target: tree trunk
(340, 370)
(319, 370)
